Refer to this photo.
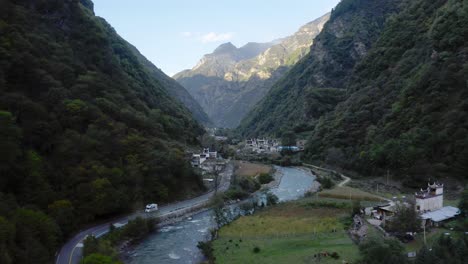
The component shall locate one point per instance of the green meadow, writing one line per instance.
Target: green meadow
(293, 232)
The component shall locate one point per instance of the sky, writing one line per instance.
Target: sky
(175, 34)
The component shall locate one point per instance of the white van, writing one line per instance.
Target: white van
(151, 208)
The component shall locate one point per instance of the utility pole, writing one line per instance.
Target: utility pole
(424, 227)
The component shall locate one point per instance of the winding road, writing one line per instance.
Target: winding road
(71, 252)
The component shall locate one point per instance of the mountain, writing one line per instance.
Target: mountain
(88, 129)
(230, 81)
(383, 90)
(407, 104)
(173, 88)
(317, 82)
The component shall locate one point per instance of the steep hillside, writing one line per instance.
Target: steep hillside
(173, 88)
(228, 82)
(86, 131)
(317, 83)
(407, 107)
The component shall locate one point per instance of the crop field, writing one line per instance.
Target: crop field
(349, 193)
(247, 169)
(287, 233)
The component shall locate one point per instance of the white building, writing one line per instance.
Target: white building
(430, 203)
(262, 145)
(430, 199)
(199, 159)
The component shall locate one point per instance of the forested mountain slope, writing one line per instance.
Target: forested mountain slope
(85, 130)
(230, 81)
(317, 82)
(174, 88)
(407, 109)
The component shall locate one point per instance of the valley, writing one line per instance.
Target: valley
(344, 140)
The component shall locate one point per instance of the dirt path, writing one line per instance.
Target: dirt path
(345, 178)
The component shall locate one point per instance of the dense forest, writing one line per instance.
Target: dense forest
(401, 106)
(317, 83)
(407, 106)
(86, 131)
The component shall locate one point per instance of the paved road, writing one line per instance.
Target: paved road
(71, 252)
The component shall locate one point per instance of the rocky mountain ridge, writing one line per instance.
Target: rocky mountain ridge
(230, 81)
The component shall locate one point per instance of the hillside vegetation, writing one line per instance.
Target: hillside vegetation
(317, 82)
(384, 88)
(85, 131)
(407, 106)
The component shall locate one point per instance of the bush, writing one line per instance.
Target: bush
(272, 199)
(256, 250)
(335, 255)
(326, 182)
(207, 250)
(265, 178)
(236, 193)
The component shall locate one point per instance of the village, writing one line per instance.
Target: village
(417, 219)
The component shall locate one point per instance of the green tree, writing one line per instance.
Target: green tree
(63, 213)
(7, 235)
(288, 138)
(376, 250)
(463, 205)
(406, 219)
(217, 203)
(99, 259)
(37, 236)
(425, 256)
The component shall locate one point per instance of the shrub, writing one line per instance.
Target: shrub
(265, 178)
(335, 255)
(256, 250)
(326, 182)
(207, 249)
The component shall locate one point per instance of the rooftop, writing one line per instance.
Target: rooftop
(442, 214)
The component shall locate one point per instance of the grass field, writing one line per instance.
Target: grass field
(349, 193)
(287, 233)
(247, 169)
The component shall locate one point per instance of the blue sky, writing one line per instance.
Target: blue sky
(175, 34)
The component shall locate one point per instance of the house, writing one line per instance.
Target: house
(430, 199)
(199, 159)
(262, 145)
(430, 204)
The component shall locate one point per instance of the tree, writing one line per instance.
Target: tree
(219, 213)
(99, 259)
(7, 234)
(406, 219)
(425, 256)
(63, 213)
(463, 205)
(36, 236)
(376, 250)
(356, 207)
(288, 138)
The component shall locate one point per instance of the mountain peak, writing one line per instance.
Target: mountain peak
(225, 48)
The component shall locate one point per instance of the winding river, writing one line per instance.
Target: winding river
(177, 243)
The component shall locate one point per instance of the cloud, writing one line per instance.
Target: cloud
(208, 37)
(215, 37)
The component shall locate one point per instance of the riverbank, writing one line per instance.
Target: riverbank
(177, 242)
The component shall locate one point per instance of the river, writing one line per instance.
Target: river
(177, 243)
